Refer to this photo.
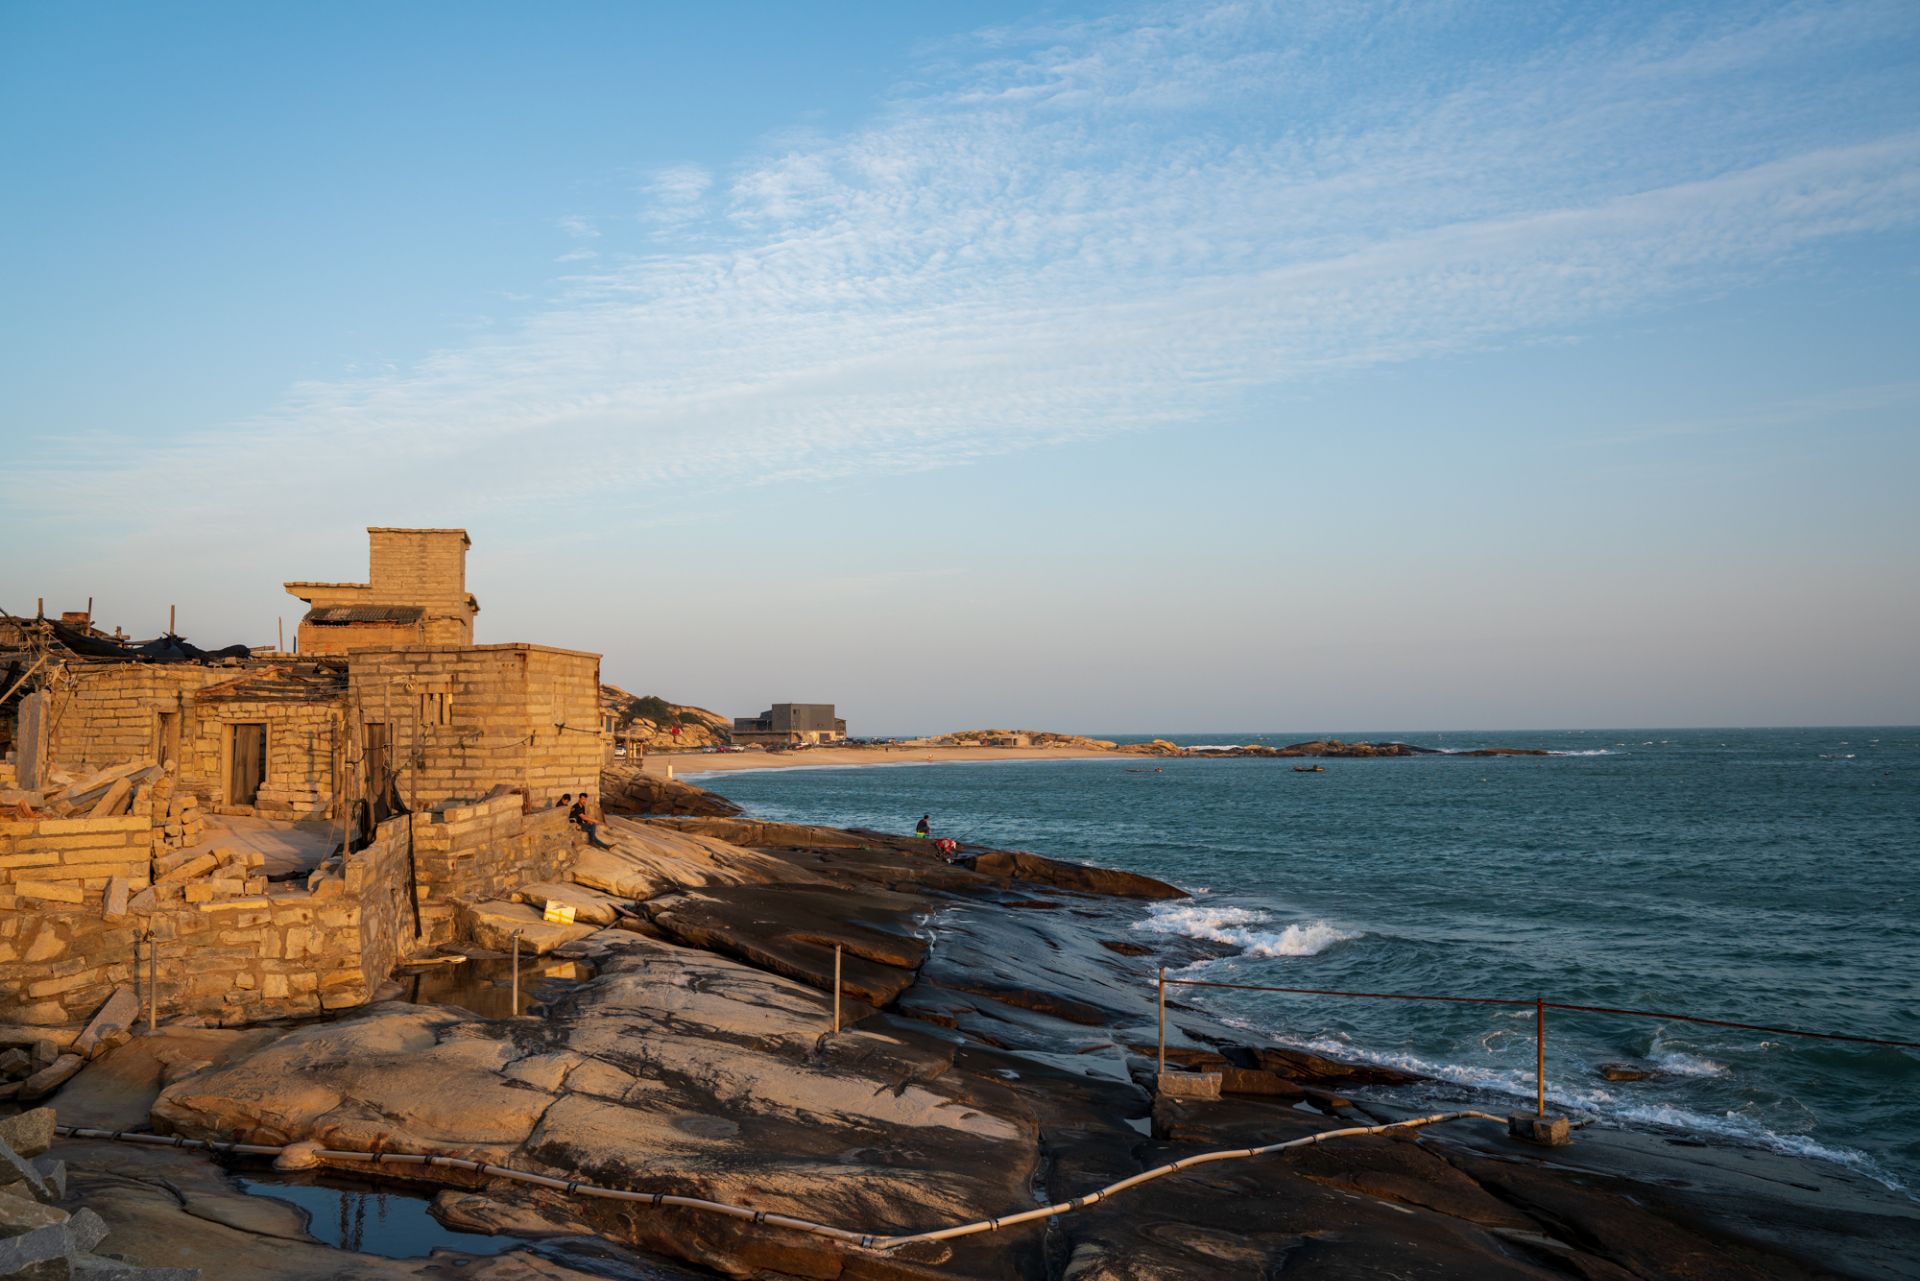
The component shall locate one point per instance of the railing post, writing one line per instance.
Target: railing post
(1540, 1055)
(836, 987)
(1163, 1020)
(153, 982)
(516, 974)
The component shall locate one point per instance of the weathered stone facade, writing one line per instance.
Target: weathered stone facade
(415, 594)
(104, 714)
(485, 850)
(442, 760)
(464, 719)
(290, 948)
(293, 948)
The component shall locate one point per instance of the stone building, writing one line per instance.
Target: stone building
(420, 769)
(791, 724)
(415, 594)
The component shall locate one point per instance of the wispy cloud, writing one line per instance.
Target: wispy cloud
(1097, 228)
(676, 195)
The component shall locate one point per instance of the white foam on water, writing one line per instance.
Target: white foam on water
(1680, 1063)
(1237, 926)
(1586, 751)
(1600, 1103)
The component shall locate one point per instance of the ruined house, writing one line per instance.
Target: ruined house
(407, 772)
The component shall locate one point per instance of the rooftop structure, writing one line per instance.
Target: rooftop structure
(415, 594)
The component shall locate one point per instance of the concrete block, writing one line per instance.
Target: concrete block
(1189, 1085)
(1547, 1131)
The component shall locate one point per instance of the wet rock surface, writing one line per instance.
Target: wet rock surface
(1002, 1059)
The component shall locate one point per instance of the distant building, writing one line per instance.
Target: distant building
(790, 724)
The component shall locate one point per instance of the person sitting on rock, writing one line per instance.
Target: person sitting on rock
(578, 816)
(924, 828)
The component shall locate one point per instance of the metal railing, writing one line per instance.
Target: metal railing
(1540, 1007)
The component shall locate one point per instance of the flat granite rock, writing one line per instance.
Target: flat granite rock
(590, 906)
(1020, 866)
(650, 858)
(793, 930)
(493, 924)
(674, 1070)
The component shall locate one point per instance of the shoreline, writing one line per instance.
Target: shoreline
(1015, 1037)
(687, 765)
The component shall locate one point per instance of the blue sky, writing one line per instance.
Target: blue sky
(1209, 367)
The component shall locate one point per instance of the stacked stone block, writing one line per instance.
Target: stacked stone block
(103, 715)
(484, 850)
(234, 952)
(525, 716)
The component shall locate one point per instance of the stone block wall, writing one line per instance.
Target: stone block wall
(423, 567)
(56, 955)
(109, 714)
(50, 864)
(484, 715)
(303, 756)
(294, 950)
(101, 715)
(563, 693)
(485, 850)
(417, 566)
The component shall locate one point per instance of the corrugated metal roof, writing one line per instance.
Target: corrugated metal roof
(331, 615)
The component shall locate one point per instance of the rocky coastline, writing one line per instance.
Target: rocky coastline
(996, 1052)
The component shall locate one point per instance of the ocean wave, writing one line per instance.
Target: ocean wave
(1680, 1063)
(1585, 751)
(1601, 1104)
(1237, 926)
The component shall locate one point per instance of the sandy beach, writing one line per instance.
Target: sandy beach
(685, 764)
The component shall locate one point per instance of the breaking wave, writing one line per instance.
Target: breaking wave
(1605, 1107)
(1237, 926)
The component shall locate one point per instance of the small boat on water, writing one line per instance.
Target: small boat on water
(1309, 769)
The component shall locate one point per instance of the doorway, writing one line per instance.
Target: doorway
(380, 780)
(166, 738)
(247, 763)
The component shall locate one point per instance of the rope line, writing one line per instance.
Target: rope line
(1554, 1005)
(862, 1240)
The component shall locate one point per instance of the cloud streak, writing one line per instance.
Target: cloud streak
(1062, 233)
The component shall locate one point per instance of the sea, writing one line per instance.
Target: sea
(1759, 876)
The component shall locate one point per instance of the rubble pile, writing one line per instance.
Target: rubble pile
(36, 1061)
(137, 787)
(41, 1239)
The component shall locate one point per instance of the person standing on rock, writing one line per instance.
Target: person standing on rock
(924, 828)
